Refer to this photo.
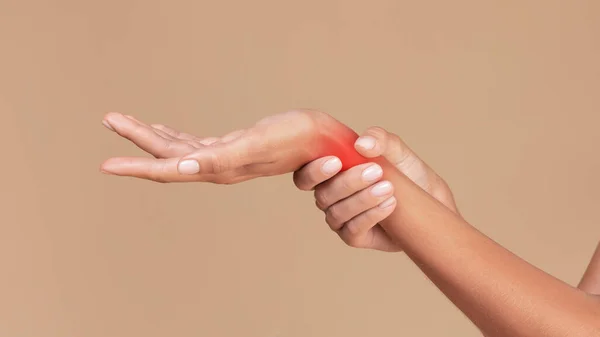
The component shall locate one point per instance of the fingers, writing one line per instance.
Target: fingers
(174, 134)
(376, 141)
(158, 170)
(165, 171)
(356, 209)
(145, 137)
(375, 237)
(228, 160)
(316, 172)
(354, 202)
(347, 183)
(204, 141)
(362, 223)
(236, 155)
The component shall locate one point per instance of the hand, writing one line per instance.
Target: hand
(356, 200)
(275, 145)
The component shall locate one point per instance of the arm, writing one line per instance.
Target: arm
(501, 293)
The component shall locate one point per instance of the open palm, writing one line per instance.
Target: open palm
(275, 145)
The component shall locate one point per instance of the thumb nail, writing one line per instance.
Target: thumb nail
(366, 142)
(188, 166)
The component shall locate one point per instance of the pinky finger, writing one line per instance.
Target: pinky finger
(361, 224)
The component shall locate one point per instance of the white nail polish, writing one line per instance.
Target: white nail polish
(388, 202)
(372, 173)
(188, 167)
(108, 126)
(366, 142)
(331, 166)
(381, 189)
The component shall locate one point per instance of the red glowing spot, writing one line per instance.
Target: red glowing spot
(341, 145)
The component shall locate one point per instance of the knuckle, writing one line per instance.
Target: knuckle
(168, 145)
(139, 130)
(396, 144)
(353, 241)
(395, 140)
(346, 185)
(332, 225)
(334, 214)
(366, 199)
(218, 165)
(372, 216)
(319, 205)
(321, 197)
(156, 173)
(353, 226)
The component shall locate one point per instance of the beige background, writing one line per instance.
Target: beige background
(501, 97)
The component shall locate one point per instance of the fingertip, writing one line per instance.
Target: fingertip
(114, 120)
(388, 203)
(104, 171)
(107, 125)
(108, 166)
(366, 146)
(111, 115)
(316, 172)
(331, 166)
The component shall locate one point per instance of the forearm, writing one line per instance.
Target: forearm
(590, 282)
(501, 293)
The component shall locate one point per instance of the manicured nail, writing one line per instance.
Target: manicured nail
(108, 126)
(388, 202)
(189, 166)
(372, 173)
(366, 142)
(331, 166)
(381, 189)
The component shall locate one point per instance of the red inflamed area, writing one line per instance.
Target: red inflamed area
(340, 143)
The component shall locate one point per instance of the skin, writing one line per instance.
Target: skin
(275, 145)
(499, 292)
(333, 189)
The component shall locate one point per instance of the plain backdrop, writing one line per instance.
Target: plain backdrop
(500, 97)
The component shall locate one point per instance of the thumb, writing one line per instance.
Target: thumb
(225, 155)
(376, 141)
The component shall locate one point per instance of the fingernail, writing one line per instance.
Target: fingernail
(108, 126)
(366, 142)
(331, 166)
(372, 173)
(381, 189)
(188, 167)
(388, 202)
